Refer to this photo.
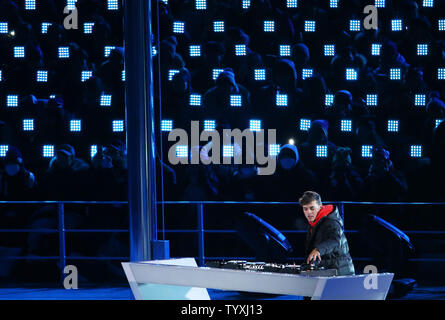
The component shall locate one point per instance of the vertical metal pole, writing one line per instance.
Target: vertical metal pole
(341, 210)
(62, 249)
(140, 128)
(200, 216)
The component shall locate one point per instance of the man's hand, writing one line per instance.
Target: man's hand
(313, 256)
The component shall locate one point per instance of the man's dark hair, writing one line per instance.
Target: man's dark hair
(308, 197)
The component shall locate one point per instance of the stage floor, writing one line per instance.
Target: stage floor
(124, 293)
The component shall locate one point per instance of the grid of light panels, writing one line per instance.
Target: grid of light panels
(4, 27)
(12, 100)
(305, 124)
(306, 73)
(367, 151)
(309, 26)
(112, 5)
(195, 51)
(245, 4)
(372, 99)
(328, 99)
(64, 52)
(441, 25)
(240, 50)
(195, 100)
(19, 52)
(228, 151)
(218, 26)
(28, 124)
(441, 73)
(105, 100)
(88, 27)
(117, 125)
(393, 126)
(236, 100)
(255, 125)
(71, 4)
(42, 76)
(209, 125)
(171, 73)
(274, 149)
(419, 100)
(351, 74)
(333, 4)
(428, 3)
(30, 4)
(395, 74)
(259, 74)
(44, 27)
(200, 4)
(269, 26)
(438, 121)
(396, 25)
(182, 151)
(321, 151)
(329, 50)
(107, 50)
(48, 151)
(281, 99)
(76, 125)
(166, 125)
(354, 25)
(375, 49)
(422, 49)
(3, 150)
(292, 3)
(346, 125)
(416, 151)
(93, 150)
(178, 27)
(85, 75)
(380, 3)
(285, 50)
(215, 73)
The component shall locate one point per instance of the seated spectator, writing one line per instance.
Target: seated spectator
(16, 182)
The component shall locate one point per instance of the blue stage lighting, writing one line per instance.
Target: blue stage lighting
(328, 100)
(306, 73)
(274, 149)
(1, 75)
(240, 50)
(428, 3)
(12, 100)
(4, 27)
(30, 4)
(124, 76)
(48, 151)
(367, 151)
(321, 151)
(375, 49)
(281, 99)
(219, 26)
(422, 49)
(333, 3)
(19, 52)
(195, 100)
(42, 76)
(346, 125)
(93, 150)
(438, 121)
(28, 125)
(195, 51)
(260, 74)
(105, 100)
(419, 100)
(209, 125)
(245, 4)
(215, 73)
(171, 74)
(285, 50)
(200, 4)
(351, 74)
(372, 99)
(305, 124)
(396, 25)
(71, 4)
(182, 151)
(178, 27)
(380, 3)
(354, 25)
(85, 75)
(309, 26)
(76, 125)
(236, 100)
(393, 125)
(269, 26)
(64, 52)
(112, 5)
(44, 27)
(441, 24)
(88, 27)
(228, 151)
(166, 125)
(441, 73)
(292, 3)
(117, 125)
(329, 50)
(255, 125)
(395, 74)
(3, 150)
(416, 151)
(107, 50)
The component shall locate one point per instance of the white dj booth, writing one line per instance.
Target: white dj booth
(182, 279)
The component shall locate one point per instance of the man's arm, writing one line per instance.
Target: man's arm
(331, 234)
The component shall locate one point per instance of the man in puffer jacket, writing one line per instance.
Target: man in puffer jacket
(325, 240)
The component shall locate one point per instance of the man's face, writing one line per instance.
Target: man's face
(311, 210)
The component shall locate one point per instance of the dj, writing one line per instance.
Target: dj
(325, 240)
